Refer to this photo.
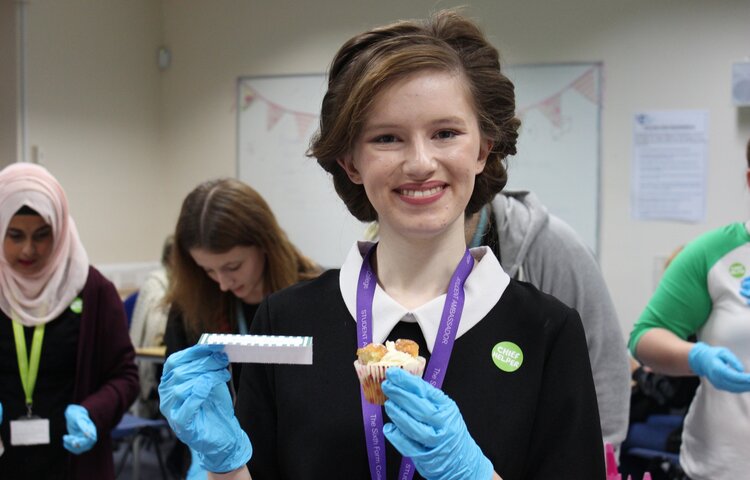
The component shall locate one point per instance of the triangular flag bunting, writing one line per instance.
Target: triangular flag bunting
(586, 86)
(248, 96)
(551, 109)
(275, 113)
(303, 121)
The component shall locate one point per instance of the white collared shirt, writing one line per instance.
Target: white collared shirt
(484, 287)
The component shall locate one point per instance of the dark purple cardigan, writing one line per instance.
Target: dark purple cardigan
(106, 381)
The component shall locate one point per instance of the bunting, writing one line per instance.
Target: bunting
(275, 112)
(273, 115)
(586, 86)
(551, 107)
(304, 121)
(247, 96)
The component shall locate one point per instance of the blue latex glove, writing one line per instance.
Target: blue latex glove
(428, 427)
(720, 366)
(81, 430)
(195, 472)
(195, 400)
(745, 289)
(1, 413)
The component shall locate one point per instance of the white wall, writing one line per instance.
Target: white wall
(108, 121)
(93, 112)
(8, 84)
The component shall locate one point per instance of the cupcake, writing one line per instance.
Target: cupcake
(375, 358)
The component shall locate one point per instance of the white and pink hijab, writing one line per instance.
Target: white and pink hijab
(39, 298)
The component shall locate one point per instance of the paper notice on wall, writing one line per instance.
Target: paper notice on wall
(670, 158)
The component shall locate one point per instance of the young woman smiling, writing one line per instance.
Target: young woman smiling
(416, 123)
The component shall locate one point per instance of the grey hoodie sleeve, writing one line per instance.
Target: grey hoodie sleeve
(559, 263)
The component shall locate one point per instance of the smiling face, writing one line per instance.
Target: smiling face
(239, 270)
(27, 245)
(418, 154)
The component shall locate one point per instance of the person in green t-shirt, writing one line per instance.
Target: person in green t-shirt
(701, 294)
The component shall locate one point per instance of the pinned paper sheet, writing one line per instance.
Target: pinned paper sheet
(262, 348)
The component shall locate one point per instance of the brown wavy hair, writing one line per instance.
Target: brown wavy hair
(370, 62)
(217, 216)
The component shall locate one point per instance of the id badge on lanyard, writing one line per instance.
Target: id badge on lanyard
(372, 416)
(29, 429)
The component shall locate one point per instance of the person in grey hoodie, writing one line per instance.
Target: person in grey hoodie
(536, 247)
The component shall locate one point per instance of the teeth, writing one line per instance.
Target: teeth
(421, 193)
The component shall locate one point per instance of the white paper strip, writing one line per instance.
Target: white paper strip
(262, 348)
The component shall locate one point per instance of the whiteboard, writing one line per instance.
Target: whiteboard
(559, 145)
(558, 155)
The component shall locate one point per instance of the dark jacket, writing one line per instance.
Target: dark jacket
(540, 422)
(106, 381)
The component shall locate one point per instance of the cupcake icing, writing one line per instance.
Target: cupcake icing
(396, 358)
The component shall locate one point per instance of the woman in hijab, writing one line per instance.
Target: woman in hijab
(67, 371)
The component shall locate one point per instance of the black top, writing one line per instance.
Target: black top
(249, 310)
(52, 394)
(539, 422)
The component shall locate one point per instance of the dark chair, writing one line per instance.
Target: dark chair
(131, 430)
(646, 446)
(129, 304)
(662, 456)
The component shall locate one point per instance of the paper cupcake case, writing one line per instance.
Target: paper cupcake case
(372, 375)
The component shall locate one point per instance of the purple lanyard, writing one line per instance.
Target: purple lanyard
(372, 415)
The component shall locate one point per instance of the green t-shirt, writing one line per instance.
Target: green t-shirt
(714, 263)
(699, 294)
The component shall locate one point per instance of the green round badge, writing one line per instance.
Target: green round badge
(507, 356)
(737, 270)
(77, 305)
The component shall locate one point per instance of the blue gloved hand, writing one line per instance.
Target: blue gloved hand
(428, 427)
(720, 366)
(195, 472)
(745, 289)
(81, 430)
(1, 413)
(195, 400)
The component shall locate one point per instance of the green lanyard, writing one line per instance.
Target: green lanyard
(28, 366)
